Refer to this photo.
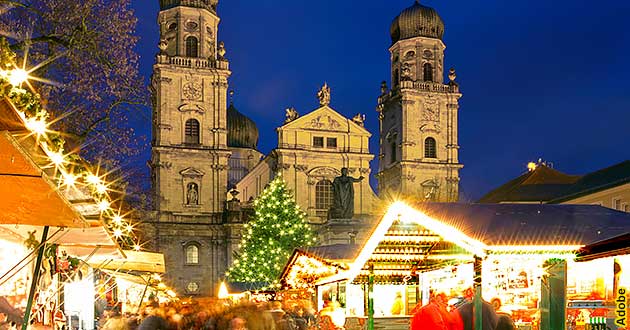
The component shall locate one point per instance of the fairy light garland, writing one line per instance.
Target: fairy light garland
(70, 169)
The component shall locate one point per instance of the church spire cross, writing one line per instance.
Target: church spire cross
(324, 95)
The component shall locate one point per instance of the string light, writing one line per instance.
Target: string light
(34, 119)
(103, 205)
(117, 219)
(17, 77)
(38, 126)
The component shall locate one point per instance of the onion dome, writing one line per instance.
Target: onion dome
(417, 21)
(206, 4)
(242, 131)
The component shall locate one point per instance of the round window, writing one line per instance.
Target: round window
(172, 26)
(190, 25)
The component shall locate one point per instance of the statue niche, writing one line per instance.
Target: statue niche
(192, 194)
(343, 196)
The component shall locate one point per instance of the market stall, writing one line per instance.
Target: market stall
(56, 211)
(519, 255)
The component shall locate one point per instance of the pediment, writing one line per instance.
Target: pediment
(192, 172)
(188, 107)
(325, 118)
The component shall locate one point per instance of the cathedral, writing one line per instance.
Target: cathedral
(206, 169)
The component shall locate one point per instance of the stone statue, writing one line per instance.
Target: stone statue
(192, 196)
(324, 95)
(384, 87)
(359, 119)
(221, 51)
(452, 75)
(163, 46)
(343, 196)
(291, 115)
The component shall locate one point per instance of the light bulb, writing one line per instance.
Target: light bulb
(17, 77)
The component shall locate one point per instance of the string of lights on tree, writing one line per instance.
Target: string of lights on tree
(279, 226)
(71, 171)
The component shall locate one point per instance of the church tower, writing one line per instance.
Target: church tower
(189, 145)
(418, 116)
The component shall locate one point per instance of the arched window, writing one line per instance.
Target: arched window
(192, 132)
(323, 195)
(430, 148)
(191, 47)
(396, 78)
(428, 72)
(192, 254)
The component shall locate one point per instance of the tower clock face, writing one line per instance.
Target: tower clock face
(192, 91)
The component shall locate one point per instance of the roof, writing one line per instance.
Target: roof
(410, 239)
(547, 185)
(603, 179)
(615, 246)
(335, 252)
(29, 197)
(417, 21)
(542, 184)
(525, 224)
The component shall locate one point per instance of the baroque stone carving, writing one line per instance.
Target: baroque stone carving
(327, 122)
(431, 109)
(192, 91)
(324, 95)
(324, 172)
(359, 119)
(291, 114)
(301, 168)
(405, 72)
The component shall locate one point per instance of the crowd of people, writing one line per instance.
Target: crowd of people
(438, 314)
(217, 316)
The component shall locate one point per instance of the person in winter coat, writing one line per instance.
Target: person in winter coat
(432, 316)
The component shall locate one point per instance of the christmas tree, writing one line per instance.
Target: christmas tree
(278, 227)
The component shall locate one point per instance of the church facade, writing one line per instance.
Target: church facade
(206, 169)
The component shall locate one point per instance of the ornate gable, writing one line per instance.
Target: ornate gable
(325, 118)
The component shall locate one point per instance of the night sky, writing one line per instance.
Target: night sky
(541, 79)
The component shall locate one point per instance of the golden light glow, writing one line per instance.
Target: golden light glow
(137, 247)
(118, 233)
(69, 179)
(56, 158)
(531, 166)
(533, 248)
(161, 286)
(17, 76)
(101, 188)
(103, 205)
(223, 291)
(118, 220)
(37, 126)
(93, 179)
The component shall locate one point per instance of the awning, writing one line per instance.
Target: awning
(29, 197)
(135, 261)
(77, 242)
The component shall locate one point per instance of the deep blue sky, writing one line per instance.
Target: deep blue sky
(541, 79)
